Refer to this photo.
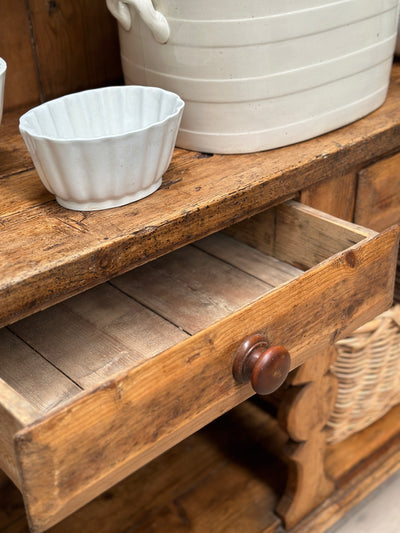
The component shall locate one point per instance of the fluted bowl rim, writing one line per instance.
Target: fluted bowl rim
(25, 121)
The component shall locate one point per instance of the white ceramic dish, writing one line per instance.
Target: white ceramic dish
(105, 147)
(3, 68)
(260, 74)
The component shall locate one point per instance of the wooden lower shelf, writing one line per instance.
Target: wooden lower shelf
(224, 479)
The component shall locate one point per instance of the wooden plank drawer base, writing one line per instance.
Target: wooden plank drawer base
(129, 369)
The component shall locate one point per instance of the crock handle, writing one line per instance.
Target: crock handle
(155, 20)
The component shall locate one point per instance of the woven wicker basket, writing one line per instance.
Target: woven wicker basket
(368, 371)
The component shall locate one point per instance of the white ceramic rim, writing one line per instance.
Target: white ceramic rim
(3, 66)
(26, 129)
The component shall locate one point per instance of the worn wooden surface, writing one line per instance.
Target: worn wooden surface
(335, 196)
(180, 391)
(362, 464)
(378, 198)
(111, 328)
(72, 251)
(308, 484)
(31, 376)
(227, 478)
(54, 47)
(15, 413)
(22, 85)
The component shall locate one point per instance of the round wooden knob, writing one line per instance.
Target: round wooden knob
(266, 367)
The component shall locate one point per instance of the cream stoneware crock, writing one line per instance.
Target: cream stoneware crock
(259, 74)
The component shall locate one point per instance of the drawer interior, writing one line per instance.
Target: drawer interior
(51, 356)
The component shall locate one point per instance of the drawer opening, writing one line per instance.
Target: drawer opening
(50, 357)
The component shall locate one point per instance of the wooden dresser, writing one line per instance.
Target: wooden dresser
(121, 331)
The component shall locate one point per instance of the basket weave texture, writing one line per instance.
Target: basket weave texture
(367, 368)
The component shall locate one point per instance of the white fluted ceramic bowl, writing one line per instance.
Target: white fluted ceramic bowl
(3, 68)
(105, 147)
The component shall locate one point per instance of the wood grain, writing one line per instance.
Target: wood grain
(31, 376)
(56, 47)
(240, 447)
(249, 258)
(22, 84)
(15, 413)
(97, 334)
(336, 196)
(180, 391)
(304, 238)
(303, 416)
(359, 447)
(191, 288)
(14, 159)
(358, 483)
(170, 492)
(378, 198)
(72, 251)
(76, 44)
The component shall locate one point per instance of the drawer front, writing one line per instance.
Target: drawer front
(75, 452)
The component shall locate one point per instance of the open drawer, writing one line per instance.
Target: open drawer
(97, 386)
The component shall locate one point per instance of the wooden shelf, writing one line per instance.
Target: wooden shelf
(226, 478)
(48, 253)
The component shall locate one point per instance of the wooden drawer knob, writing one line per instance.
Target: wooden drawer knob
(266, 367)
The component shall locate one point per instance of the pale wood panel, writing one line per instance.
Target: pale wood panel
(248, 259)
(378, 198)
(97, 334)
(305, 237)
(32, 376)
(335, 196)
(22, 85)
(298, 234)
(145, 333)
(107, 432)
(15, 413)
(191, 288)
(257, 231)
(73, 345)
(76, 44)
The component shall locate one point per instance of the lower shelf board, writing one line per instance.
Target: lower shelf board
(226, 478)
